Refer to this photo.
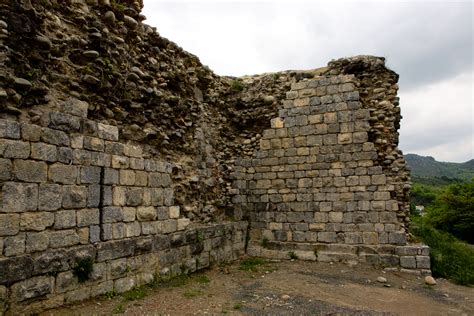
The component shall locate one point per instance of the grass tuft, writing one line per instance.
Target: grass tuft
(251, 264)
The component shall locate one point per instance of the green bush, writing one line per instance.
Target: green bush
(450, 258)
(453, 211)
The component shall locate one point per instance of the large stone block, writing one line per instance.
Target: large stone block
(87, 217)
(54, 137)
(9, 129)
(15, 269)
(90, 174)
(64, 122)
(36, 241)
(93, 143)
(76, 107)
(108, 132)
(64, 219)
(19, 197)
(14, 245)
(14, 149)
(42, 151)
(115, 249)
(74, 196)
(111, 176)
(32, 288)
(146, 213)
(51, 261)
(5, 169)
(9, 224)
(112, 214)
(36, 221)
(30, 171)
(49, 197)
(134, 196)
(63, 238)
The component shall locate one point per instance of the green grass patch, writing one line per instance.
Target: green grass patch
(237, 306)
(251, 264)
(201, 279)
(119, 309)
(177, 281)
(450, 258)
(192, 293)
(137, 293)
(292, 255)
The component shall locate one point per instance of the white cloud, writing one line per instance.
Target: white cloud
(429, 43)
(438, 119)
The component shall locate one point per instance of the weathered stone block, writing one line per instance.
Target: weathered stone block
(30, 171)
(111, 176)
(14, 149)
(133, 151)
(90, 174)
(65, 174)
(30, 132)
(76, 107)
(127, 177)
(74, 196)
(120, 162)
(54, 137)
(36, 242)
(15, 269)
(5, 169)
(174, 212)
(108, 132)
(64, 219)
(327, 237)
(36, 221)
(183, 223)
(63, 238)
(114, 249)
(42, 151)
(87, 217)
(132, 229)
(14, 245)
(423, 262)
(397, 238)
(146, 213)
(49, 197)
(19, 197)
(134, 196)
(112, 214)
(408, 262)
(9, 224)
(32, 288)
(9, 129)
(153, 227)
(50, 261)
(94, 195)
(64, 122)
(93, 143)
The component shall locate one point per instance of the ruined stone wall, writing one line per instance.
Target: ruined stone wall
(317, 187)
(71, 192)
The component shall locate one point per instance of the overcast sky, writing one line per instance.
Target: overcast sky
(429, 43)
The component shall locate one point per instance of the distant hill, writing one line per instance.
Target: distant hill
(428, 167)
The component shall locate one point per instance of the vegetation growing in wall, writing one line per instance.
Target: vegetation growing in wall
(83, 269)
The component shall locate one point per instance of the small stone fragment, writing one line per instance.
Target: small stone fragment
(430, 280)
(285, 297)
(381, 279)
(44, 42)
(130, 22)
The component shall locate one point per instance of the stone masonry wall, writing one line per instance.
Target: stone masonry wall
(70, 191)
(316, 187)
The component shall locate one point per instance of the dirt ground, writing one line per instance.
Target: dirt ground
(286, 288)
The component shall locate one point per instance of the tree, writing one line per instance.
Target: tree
(453, 211)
